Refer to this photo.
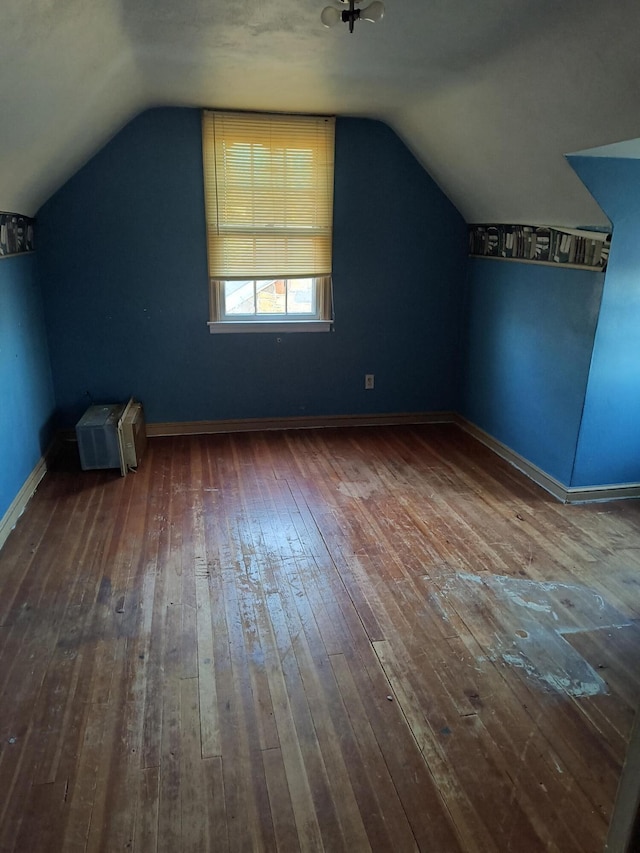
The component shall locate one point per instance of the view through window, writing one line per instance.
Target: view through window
(270, 296)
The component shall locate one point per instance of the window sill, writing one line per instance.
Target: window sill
(257, 326)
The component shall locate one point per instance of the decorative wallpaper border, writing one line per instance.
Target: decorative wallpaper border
(571, 246)
(16, 234)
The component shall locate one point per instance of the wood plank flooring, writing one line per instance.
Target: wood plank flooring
(363, 639)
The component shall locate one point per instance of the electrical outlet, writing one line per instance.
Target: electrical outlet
(368, 381)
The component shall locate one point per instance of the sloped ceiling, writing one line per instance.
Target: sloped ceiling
(488, 94)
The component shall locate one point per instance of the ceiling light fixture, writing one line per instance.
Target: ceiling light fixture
(373, 12)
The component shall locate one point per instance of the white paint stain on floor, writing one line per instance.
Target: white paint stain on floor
(359, 490)
(532, 618)
(589, 685)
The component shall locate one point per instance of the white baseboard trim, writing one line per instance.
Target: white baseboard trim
(565, 494)
(303, 422)
(591, 494)
(17, 506)
(548, 483)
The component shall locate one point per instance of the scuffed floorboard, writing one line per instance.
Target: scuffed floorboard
(378, 639)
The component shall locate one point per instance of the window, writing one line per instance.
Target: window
(269, 213)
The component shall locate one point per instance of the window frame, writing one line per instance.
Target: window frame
(222, 323)
(219, 321)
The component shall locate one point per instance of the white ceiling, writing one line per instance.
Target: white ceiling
(488, 94)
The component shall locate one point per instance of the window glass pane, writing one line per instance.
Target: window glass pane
(301, 296)
(271, 296)
(239, 297)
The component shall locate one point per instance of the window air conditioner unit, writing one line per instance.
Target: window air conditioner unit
(112, 436)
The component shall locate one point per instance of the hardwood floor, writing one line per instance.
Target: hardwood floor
(345, 640)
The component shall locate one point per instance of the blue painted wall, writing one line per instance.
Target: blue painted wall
(26, 389)
(529, 336)
(123, 260)
(609, 445)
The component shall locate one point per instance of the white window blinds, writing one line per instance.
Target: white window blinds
(268, 194)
